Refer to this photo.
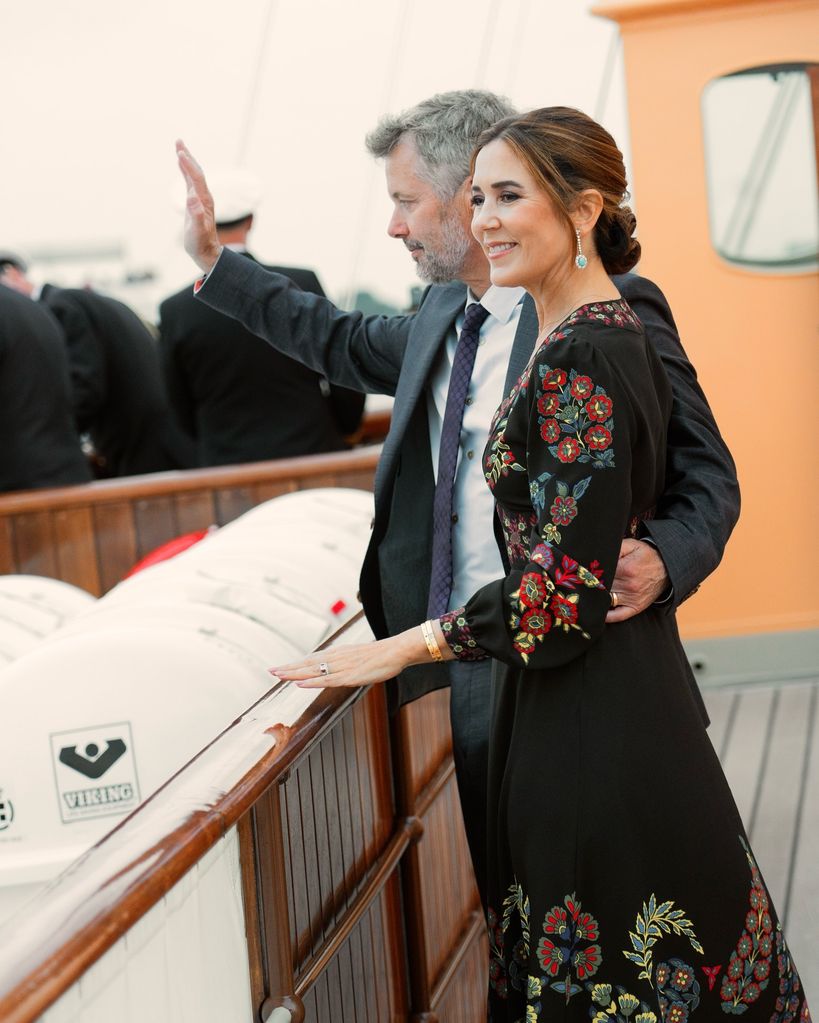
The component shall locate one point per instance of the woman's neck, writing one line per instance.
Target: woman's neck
(555, 300)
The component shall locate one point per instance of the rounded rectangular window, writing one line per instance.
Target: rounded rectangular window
(760, 127)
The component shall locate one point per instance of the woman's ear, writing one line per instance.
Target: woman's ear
(587, 210)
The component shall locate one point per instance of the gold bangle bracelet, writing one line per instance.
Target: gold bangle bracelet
(431, 642)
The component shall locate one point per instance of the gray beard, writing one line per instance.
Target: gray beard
(447, 263)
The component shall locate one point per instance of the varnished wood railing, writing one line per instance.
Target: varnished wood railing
(322, 839)
(92, 534)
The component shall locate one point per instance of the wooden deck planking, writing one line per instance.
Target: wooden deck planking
(766, 737)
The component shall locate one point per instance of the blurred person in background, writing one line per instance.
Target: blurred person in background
(39, 446)
(238, 399)
(117, 391)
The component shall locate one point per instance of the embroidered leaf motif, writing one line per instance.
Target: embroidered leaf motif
(537, 491)
(580, 488)
(649, 925)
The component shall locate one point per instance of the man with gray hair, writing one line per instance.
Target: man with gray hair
(431, 545)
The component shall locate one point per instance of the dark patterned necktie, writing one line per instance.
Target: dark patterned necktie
(440, 585)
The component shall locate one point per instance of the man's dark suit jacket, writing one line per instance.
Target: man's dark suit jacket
(395, 355)
(119, 397)
(238, 398)
(39, 445)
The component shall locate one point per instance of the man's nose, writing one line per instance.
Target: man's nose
(397, 226)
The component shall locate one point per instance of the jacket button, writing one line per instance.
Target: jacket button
(455, 518)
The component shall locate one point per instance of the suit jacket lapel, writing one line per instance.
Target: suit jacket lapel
(432, 324)
(523, 344)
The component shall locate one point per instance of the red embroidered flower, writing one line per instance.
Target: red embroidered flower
(587, 927)
(736, 968)
(677, 1013)
(550, 431)
(563, 510)
(582, 387)
(751, 993)
(536, 622)
(759, 899)
(543, 555)
(532, 590)
(762, 969)
(564, 609)
(554, 379)
(682, 978)
(524, 642)
(597, 437)
(550, 956)
(556, 921)
(599, 408)
(587, 960)
(661, 974)
(745, 946)
(568, 449)
(548, 404)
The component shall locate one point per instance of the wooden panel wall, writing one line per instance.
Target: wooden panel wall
(367, 912)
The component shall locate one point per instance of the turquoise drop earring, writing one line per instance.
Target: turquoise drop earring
(580, 260)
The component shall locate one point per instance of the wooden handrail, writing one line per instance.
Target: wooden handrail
(165, 483)
(73, 922)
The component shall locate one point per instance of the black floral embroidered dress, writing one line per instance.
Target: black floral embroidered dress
(622, 886)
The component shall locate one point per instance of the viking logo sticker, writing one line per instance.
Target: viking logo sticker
(94, 763)
(95, 772)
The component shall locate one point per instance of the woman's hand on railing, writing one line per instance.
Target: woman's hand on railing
(363, 664)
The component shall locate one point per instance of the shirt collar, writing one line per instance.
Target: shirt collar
(499, 302)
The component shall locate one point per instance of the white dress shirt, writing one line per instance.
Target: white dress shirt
(475, 558)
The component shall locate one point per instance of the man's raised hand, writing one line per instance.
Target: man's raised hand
(201, 240)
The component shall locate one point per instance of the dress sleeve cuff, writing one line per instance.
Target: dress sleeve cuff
(459, 636)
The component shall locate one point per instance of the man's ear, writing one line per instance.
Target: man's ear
(587, 211)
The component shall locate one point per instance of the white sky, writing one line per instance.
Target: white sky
(102, 88)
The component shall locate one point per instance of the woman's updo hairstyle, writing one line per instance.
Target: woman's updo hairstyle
(567, 152)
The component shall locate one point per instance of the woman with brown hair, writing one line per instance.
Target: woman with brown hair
(621, 881)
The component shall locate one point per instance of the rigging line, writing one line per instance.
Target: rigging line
(255, 83)
(515, 62)
(486, 43)
(774, 152)
(734, 223)
(608, 73)
(402, 31)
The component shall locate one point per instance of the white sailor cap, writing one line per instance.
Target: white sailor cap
(15, 259)
(236, 193)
